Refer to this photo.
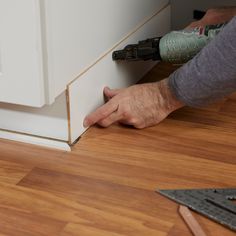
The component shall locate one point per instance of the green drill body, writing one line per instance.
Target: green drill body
(176, 47)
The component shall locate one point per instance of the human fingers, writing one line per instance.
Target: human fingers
(124, 114)
(100, 114)
(195, 24)
(110, 93)
(136, 123)
(111, 119)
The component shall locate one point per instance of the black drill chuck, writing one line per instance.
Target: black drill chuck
(144, 50)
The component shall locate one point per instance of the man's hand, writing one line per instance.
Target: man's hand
(215, 16)
(140, 106)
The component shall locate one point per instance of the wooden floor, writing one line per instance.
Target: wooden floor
(105, 186)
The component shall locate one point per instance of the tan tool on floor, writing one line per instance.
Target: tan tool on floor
(191, 221)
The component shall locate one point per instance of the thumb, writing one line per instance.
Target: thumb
(110, 93)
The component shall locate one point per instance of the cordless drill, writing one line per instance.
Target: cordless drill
(176, 47)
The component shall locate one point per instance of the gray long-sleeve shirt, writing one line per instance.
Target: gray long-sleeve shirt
(211, 75)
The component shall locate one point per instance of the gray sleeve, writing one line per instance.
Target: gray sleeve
(211, 75)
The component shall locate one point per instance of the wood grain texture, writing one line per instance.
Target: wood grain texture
(106, 185)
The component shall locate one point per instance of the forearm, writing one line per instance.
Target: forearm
(211, 75)
(215, 16)
(231, 10)
(164, 93)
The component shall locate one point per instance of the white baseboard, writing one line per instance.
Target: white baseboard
(49, 143)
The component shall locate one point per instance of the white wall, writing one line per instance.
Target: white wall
(182, 10)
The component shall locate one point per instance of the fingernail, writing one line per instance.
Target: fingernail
(105, 90)
(85, 124)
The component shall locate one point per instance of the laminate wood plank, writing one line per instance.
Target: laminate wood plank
(232, 96)
(18, 223)
(229, 107)
(142, 204)
(12, 173)
(199, 116)
(27, 154)
(201, 141)
(179, 229)
(49, 206)
(106, 185)
(75, 229)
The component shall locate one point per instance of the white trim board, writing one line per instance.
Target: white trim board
(49, 143)
(86, 93)
(49, 121)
